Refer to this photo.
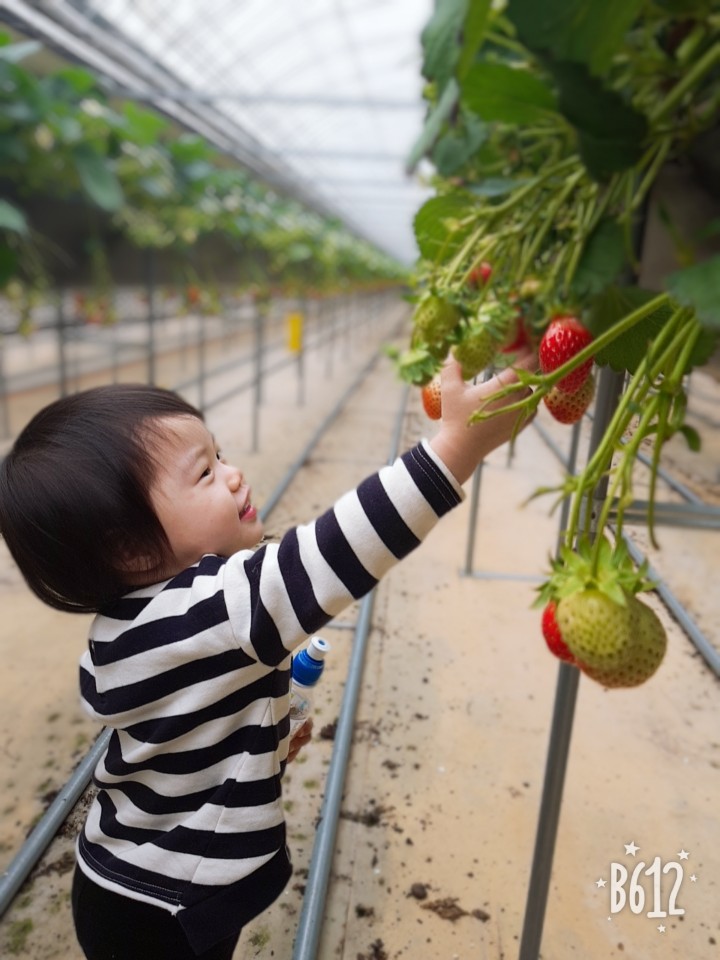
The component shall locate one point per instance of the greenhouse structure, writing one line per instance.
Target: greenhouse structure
(437, 287)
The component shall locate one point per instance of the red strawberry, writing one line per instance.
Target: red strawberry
(480, 275)
(569, 407)
(553, 637)
(563, 339)
(430, 395)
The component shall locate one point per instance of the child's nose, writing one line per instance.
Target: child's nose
(235, 479)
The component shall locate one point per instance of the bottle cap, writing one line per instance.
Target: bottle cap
(307, 666)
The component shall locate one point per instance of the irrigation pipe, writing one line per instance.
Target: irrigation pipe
(53, 818)
(310, 924)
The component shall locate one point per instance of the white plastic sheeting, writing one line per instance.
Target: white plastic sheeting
(321, 96)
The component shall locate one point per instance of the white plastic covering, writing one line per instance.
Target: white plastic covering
(323, 95)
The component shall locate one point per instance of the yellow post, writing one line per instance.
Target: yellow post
(295, 323)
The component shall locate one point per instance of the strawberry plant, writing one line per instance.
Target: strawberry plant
(548, 125)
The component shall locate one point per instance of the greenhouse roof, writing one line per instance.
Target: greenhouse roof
(322, 98)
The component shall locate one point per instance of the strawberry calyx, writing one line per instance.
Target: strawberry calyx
(605, 567)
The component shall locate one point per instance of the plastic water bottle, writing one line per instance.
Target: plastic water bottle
(307, 668)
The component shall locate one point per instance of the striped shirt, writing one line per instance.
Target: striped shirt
(193, 676)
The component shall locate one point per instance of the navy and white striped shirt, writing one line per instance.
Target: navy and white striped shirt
(193, 675)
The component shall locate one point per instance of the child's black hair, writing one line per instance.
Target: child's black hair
(75, 506)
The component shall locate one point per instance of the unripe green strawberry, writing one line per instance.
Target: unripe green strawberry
(435, 321)
(644, 654)
(596, 629)
(476, 350)
(617, 645)
(569, 407)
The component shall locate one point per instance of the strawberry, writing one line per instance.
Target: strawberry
(569, 407)
(476, 350)
(435, 321)
(431, 401)
(480, 275)
(617, 644)
(553, 637)
(645, 652)
(563, 339)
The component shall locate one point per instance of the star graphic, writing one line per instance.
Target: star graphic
(693, 877)
(683, 854)
(661, 928)
(631, 848)
(600, 882)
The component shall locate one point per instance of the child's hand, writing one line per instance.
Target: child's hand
(462, 447)
(300, 738)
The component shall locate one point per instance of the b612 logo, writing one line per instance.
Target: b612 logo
(650, 887)
(657, 886)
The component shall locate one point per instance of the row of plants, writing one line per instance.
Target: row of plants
(548, 125)
(160, 188)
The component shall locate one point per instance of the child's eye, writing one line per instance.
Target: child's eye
(218, 454)
(206, 472)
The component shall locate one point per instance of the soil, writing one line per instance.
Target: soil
(440, 807)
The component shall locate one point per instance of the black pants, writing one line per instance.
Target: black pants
(112, 927)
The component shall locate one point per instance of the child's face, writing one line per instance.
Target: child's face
(202, 503)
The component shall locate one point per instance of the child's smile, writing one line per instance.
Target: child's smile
(203, 504)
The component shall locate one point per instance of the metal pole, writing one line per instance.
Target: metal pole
(4, 407)
(33, 848)
(150, 291)
(62, 346)
(201, 361)
(609, 389)
(310, 925)
(257, 381)
(301, 353)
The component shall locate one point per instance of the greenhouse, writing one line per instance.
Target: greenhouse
(359, 362)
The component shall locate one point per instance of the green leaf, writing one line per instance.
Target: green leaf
(497, 92)
(458, 145)
(601, 261)
(430, 132)
(692, 437)
(699, 287)
(610, 132)
(11, 218)
(143, 126)
(97, 178)
(8, 264)
(611, 306)
(472, 34)
(439, 229)
(439, 40)
(585, 31)
(79, 80)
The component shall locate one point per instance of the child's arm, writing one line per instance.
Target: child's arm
(461, 447)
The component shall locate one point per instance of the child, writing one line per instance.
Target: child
(117, 501)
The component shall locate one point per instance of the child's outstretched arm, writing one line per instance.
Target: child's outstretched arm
(462, 447)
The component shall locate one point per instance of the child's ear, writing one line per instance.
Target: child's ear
(135, 565)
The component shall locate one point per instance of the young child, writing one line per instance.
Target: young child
(117, 501)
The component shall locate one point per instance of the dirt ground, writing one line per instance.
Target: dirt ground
(440, 807)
